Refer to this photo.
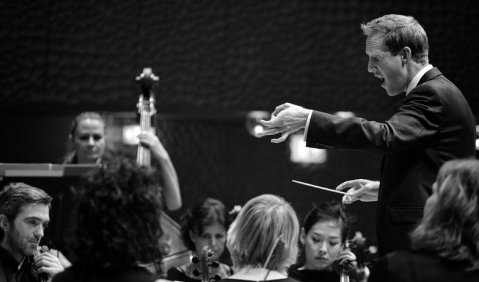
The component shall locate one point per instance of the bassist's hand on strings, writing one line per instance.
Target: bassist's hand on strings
(152, 142)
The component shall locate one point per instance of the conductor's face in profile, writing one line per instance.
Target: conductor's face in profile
(390, 69)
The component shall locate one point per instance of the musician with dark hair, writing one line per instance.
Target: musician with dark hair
(203, 225)
(24, 216)
(324, 236)
(118, 225)
(446, 242)
(263, 240)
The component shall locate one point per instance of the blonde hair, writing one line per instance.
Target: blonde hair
(254, 233)
(399, 31)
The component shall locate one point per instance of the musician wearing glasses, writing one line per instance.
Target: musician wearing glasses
(263, 240)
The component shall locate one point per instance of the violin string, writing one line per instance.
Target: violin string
(270, 255)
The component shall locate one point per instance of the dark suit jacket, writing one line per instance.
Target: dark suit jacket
(416, 267)
(434, 124)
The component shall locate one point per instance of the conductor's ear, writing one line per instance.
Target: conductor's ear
(405, 54)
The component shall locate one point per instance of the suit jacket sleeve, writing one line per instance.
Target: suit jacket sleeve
(416, 121)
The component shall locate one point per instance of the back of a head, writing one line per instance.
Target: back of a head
(119, 215)
(262, 222)
(400, 31)
(15, 196)
(450, 226)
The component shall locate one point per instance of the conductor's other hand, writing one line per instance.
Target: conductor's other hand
(360, 189)
(285, 120)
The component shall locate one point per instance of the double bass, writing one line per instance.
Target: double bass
(146, 109)
(174, 252)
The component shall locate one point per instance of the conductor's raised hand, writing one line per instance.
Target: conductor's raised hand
(360, 189)
(285, 120)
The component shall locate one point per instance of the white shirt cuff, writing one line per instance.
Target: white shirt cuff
(307, 125)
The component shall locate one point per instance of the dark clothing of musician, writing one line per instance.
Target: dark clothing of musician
(307, 275)
(179, 273)
(11, 271)
(434, 124)
(118, 274)
(405, 266)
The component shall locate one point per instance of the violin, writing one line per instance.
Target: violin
(356, 244)
(206, 263)
(146, 109)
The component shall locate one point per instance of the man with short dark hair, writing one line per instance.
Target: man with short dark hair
(24, 215)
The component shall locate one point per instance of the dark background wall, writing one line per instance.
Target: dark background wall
(216, 60)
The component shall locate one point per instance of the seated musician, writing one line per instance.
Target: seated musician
(24, 216)
(118, 225)
(263, 240)
(204, 224)
(87, 145)
(445, 244)
(323, 235)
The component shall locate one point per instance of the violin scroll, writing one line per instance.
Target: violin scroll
(206, 263)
